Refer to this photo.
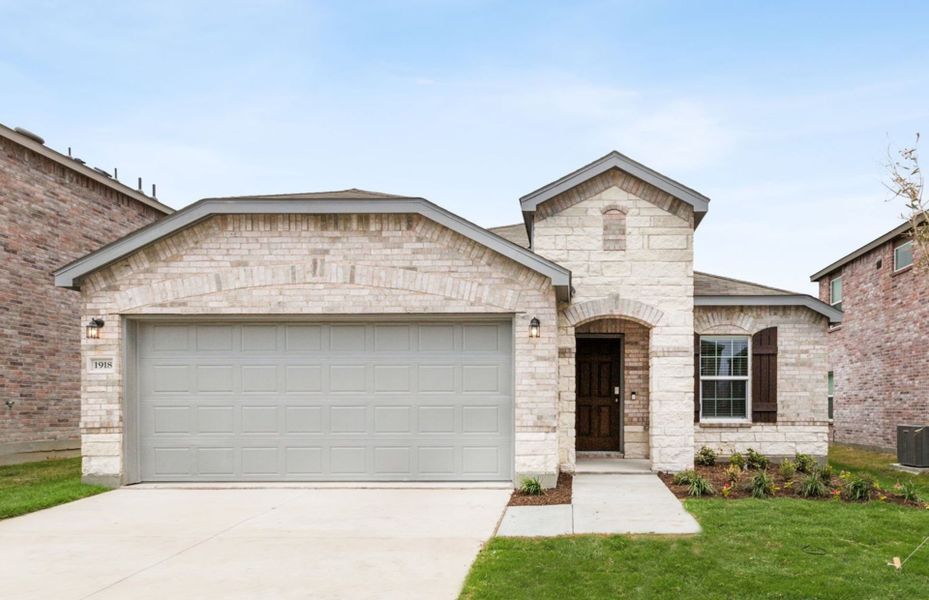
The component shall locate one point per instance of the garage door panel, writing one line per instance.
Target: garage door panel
(296, 401)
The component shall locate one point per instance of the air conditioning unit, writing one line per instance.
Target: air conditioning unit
(913, 445)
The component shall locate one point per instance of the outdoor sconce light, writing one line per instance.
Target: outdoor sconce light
(632, 396)
(534, 328)
(93, 329)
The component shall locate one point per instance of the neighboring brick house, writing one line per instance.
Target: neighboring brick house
(878, 356)
(354, 335)
(53, 209)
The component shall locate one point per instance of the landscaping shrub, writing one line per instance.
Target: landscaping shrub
(813, 486)
(531, 486)
(706, 457)
(737, 460)
(684, 477)
(788, 468)
(762, 486)
(907, 490)
(699, 486)
(806, 463)
(733, 472)
(756, 460)
(825, 473)
(856, 487)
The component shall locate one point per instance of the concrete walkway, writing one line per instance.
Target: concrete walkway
(249, 543)
(605, 503)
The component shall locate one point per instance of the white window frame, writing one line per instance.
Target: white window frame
(747, 379)
(830, 394)
(897, 247)
(832, 300)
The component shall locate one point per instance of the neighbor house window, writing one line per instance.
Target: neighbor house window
(903, 255)
(831, 393)
(724, 377)
(835, 292)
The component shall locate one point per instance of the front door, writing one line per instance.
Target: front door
(599, 394)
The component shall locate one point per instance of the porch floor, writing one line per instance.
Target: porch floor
(613, 466)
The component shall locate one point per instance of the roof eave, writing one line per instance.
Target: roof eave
(833, 314)
(872, 245)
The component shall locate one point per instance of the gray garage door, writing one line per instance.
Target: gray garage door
(327, 401)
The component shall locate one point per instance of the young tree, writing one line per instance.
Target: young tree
(906, 184)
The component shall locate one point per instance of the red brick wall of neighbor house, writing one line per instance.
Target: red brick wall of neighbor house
(880, 353)
(49, 216)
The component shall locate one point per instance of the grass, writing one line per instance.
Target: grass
(33, 486)
(782, 548)
(777, 548)
(876, 464)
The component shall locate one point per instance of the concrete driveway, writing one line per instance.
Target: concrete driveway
(249, 543)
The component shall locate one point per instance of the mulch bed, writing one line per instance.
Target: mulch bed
(560, 494)
(784, 488)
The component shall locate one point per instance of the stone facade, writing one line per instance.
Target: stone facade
(49, 215)
(647, 280)
(802, 424)
(328, 265)
(878, 354)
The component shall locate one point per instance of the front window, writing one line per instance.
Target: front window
(724, 377)
(903, 255)
(831, 393)
(835, 292)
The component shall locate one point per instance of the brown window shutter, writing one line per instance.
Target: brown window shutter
(696, 378)
(764, 376)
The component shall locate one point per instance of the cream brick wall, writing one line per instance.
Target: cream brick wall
(802, 367)
(326, 265)
(650, 282)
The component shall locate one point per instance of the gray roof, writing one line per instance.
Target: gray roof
(351, 201)
(887, 237)
(716, 290)
(82, 169)
(615, 160)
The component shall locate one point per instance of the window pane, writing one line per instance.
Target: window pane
(903, 256)
(830, 408)
(835, 292)
(725, 399)
(831, 383)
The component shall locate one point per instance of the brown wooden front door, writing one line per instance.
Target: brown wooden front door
(599, 393)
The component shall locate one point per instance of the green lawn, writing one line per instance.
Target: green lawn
(753, 549)
(876, 464)
(33, 486)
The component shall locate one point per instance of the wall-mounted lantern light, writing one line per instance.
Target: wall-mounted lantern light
(535, 328)
(632, 396)
(93, 329)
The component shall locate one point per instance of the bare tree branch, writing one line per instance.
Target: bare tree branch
(906, 184)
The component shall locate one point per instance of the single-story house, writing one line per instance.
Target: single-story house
(355, 335)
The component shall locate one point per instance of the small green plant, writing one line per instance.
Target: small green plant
(788, 469)
(733, 472)
(813, 486)
(531, 486)
(826, 473)
(762, 485)
(908, 491)
(699, 486)
(684, 477)
(706, 457)
(857, 487)
(756, 460)
(806, 463)
(738, 460)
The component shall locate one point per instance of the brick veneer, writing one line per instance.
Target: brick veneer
(49, 216)
(329, 265)
(801, 425)
(879, 354)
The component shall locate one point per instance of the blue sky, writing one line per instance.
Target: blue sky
(782, 112)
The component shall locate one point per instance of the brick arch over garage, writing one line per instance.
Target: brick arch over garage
(317, 271)
(612, 306)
